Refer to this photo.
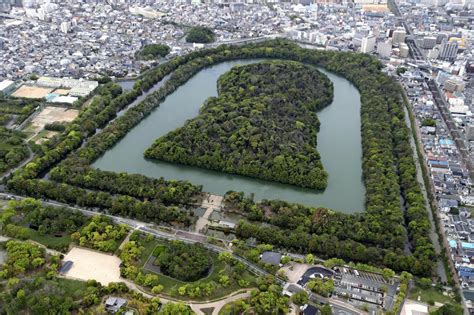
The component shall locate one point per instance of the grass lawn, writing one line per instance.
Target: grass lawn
(149, 247)
(51, 241)
(71, 286)
(427, 295)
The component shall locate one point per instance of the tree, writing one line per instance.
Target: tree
(300, 298)
(285, 260)
(200, 34)
(186, 262)
(309, 259)
(175, 308)
(424, 283)
(387, 273)
(449, 309)
(326, 309)
(152, 51)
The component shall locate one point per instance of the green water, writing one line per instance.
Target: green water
(339, 143)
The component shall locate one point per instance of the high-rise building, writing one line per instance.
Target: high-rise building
(384, 49)
(368, 44)
(404, 50)
(399, 35)
(428, 42)
(448, 51)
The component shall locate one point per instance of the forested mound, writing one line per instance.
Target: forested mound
(263, 124)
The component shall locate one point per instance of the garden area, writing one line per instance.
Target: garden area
(177, 269)
(434, 296)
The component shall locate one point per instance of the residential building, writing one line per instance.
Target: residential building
(448, 51)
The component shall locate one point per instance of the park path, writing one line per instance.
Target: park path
(219, 304)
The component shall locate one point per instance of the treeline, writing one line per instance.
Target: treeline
(388, 167)
(13, 148)
(135, 185)
(263, 124)
(120, 205)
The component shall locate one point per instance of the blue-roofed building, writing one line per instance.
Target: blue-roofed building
(466, 245)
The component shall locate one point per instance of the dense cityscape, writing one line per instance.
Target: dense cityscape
(83, 228)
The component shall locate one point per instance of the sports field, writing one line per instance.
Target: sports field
(52, 114)
(34, 92)
(89, 264)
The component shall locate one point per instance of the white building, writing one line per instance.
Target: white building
(399, 35)
(384, 49)
(65, 27)
(404, 50)
(6, 87)
(368, 44)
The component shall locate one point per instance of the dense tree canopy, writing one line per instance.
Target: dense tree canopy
(101, 234)
(200, 34)
(263, 124)
(153, 51)
(186, 262)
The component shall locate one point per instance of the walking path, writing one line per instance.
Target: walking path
(219, 304)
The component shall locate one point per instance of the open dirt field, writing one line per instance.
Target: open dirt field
(31, 92)
(44, 135)
(375, 8)
(89, 264)
(62, 91)
(51, 114)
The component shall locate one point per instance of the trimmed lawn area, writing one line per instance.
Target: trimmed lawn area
(71, 286)
(51, 241)
(427, 295)
(149, 247)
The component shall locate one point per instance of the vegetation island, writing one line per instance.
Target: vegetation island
(263, 124)
(201, 35)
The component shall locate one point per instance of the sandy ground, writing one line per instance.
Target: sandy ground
(31, 92)
(375, 8)
(411, 307)
(295, 274)
(52, 114)
(62, 91)
(89, 264)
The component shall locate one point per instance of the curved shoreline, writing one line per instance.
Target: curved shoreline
(340, 123)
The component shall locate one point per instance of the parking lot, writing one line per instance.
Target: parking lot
(365, 288)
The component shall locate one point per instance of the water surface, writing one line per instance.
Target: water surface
(339, 143)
